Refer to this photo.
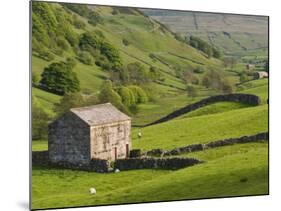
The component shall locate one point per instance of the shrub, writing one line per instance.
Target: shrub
(191, 91)
(71, 62)
(215, 80)
(35, 78)
(139, 94)
(226, 87)
(114, 12)
(243, 77)
(39, 121)
(62, 43)
(68, 101)
(46, 55)
(125, 42)
(89, 41)
(137, 73)
(199, 70)
(59, 78)
(111, 53)
(107, 94)
(127, 96)
(78, 23)
(85, 57)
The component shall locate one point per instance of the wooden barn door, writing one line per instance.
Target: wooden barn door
(127, 150)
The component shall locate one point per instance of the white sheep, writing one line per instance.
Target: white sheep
(93, 191)
(117, 170)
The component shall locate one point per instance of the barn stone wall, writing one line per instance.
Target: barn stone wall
(110, 139)
(68, 140)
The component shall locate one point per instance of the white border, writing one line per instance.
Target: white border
(14, 82)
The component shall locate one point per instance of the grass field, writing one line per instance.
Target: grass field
(230, 171)
(203, 129)
(235, 170)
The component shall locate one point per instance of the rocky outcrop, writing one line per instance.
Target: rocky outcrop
(241, 98)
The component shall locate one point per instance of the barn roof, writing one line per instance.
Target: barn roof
(100, 114)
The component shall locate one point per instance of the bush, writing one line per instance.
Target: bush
(199, 70)
(78, 23)
(89, 41)
(139, 94)
(71, 62)
(39, 121)
(114, 12)
(107, 94)
(137, 73)
(243, 77)
(59, 78)
(62, 43)
(125, 42)
(215, 80)
(111, 54)
(204, 46)
(127, 96)
(46, 56)
(191, 91)
(226, 88)
(68, 101)
(94, 18)
(85, 57)
(35, 78)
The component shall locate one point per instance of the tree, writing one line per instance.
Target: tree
(68, 101)
(35, 78)
(127, 96)
(71, 62)
(199, 69)
(215, 80)
(111, 53)
(85, 57)
(139, 94)
(59, 78)
(107, 94)
(226, 87)
(137, 73)
(191, 91)
(40, 120)
(62, 43)
(89, 41)
(243, 77)
(125, 42)
(229, 62)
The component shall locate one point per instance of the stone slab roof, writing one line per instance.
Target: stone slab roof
(100, 114)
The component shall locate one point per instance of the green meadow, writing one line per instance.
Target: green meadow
(235, 170)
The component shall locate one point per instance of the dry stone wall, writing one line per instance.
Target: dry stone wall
(242, 98)
(155, 163)
(199, 147)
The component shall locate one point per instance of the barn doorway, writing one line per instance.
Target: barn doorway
(127, 150)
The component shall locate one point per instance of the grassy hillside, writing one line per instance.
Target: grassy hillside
(124, 36)
(203, 129)
(232, 33)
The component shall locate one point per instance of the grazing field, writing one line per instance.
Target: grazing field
(228, 171)
(127, 57)
(203, 129)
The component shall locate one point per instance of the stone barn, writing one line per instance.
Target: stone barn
(86, 133)
(260, 74)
